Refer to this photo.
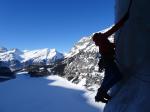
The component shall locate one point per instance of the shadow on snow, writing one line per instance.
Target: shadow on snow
(26, 94)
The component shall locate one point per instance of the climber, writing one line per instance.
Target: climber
(107, 61)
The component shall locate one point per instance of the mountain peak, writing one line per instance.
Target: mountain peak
(3, 49)
(53, 50)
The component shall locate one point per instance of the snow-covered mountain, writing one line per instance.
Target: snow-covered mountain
(80, 65)
(82, 45)
(42, 55)
(3, 49)
(16, 58)
(82, 62)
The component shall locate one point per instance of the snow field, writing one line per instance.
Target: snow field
(45, 94)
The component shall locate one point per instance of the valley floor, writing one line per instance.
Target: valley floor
(45, 94)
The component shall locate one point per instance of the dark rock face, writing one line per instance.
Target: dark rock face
(5, 72)
(58, 68)
(37, 70)
(15, 64)
(4, 64)
(81, 64)
(32, 62)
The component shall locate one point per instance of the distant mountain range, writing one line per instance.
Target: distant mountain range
(16, 58)
(79, 65)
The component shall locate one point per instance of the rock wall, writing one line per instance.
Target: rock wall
(133, 58)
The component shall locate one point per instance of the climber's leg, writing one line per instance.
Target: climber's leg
(112, 76)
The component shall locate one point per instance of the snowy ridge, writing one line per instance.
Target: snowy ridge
(55, 55)
(84, 43)
(3, 49)
(41, 55)
(13, 54)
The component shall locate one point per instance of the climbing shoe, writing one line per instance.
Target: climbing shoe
(102, 96)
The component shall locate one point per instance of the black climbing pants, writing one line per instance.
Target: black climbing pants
(111, 76)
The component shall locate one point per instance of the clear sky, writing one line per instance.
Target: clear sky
(34, 24)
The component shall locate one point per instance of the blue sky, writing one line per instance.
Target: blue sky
(34, 24)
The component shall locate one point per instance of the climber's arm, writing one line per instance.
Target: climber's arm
(117, 26)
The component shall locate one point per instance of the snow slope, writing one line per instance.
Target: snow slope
(13, 54)
(86, 44)
(49, 94)
(82, 44)
(26, 57)
(41, 54)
